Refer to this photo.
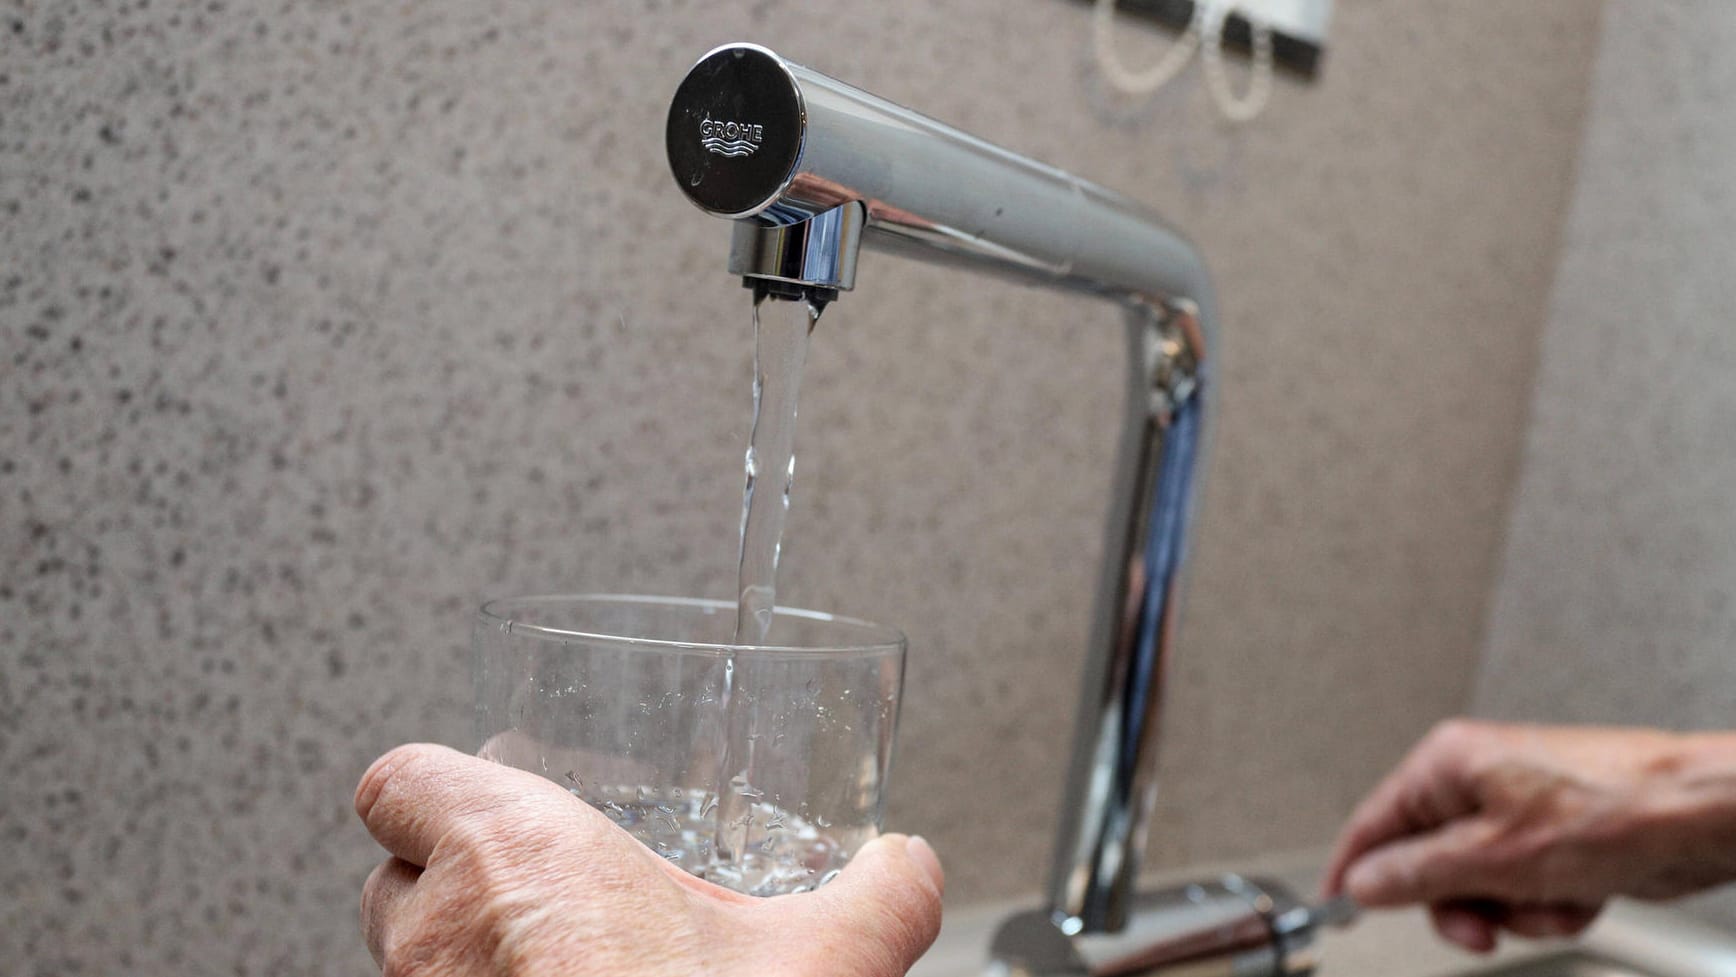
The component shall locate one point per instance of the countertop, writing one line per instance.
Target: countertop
(1395, 944)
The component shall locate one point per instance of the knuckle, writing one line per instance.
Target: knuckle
(470, 833)
(501, 868)
(414, 955)
(518, 936)
(400, 965)
(872, 953)
(528, 831)
(464, 927)
(483, 843)
(380, 904)
(1561, 871)
(1513, 865)
(378, 879)
(394, 964)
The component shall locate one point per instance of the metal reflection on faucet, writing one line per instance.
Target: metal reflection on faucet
(837, 169)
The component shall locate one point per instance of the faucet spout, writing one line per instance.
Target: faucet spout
(816, 255)
(811, 170)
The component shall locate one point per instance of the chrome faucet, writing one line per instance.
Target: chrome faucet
(811, 170)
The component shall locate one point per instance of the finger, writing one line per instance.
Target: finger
(383, 896)
(1465, 924)
(1425, 790)
(1448, 864)
(1550, 922)
(416, 794)
(886, 903)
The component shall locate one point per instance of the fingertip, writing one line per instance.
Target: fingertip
(873, 849)
(1370, 882)
(899, 850)
(923, 854)
(1331, 881)
(406, 797)
(379, 773)
(1374, 823)
(891, 895)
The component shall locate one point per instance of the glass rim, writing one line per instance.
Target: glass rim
(879, 639)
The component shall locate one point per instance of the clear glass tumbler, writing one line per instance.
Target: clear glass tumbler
(761, 768)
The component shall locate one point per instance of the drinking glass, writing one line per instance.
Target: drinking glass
(761, 768)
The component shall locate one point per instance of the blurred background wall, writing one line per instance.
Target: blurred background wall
(1616, 601)
(320, 321)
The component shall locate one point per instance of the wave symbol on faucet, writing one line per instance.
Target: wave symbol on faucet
(730, 138)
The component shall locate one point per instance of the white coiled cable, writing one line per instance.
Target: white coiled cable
(1245, 107)
(1204, 33)
(1124, 79)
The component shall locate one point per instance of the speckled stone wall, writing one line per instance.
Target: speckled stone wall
(1617, 598)
(319, 321)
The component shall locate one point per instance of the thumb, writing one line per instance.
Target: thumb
(883, 910)
(1446, 865)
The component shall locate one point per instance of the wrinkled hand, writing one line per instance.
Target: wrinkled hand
(497, 871)
(1531, 828)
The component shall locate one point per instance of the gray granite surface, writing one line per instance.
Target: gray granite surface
(321, 320)
(1629, 939)
(1617, 598)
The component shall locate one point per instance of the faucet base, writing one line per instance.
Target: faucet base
(1223, 927)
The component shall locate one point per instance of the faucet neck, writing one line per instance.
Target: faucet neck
(1111, 785)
